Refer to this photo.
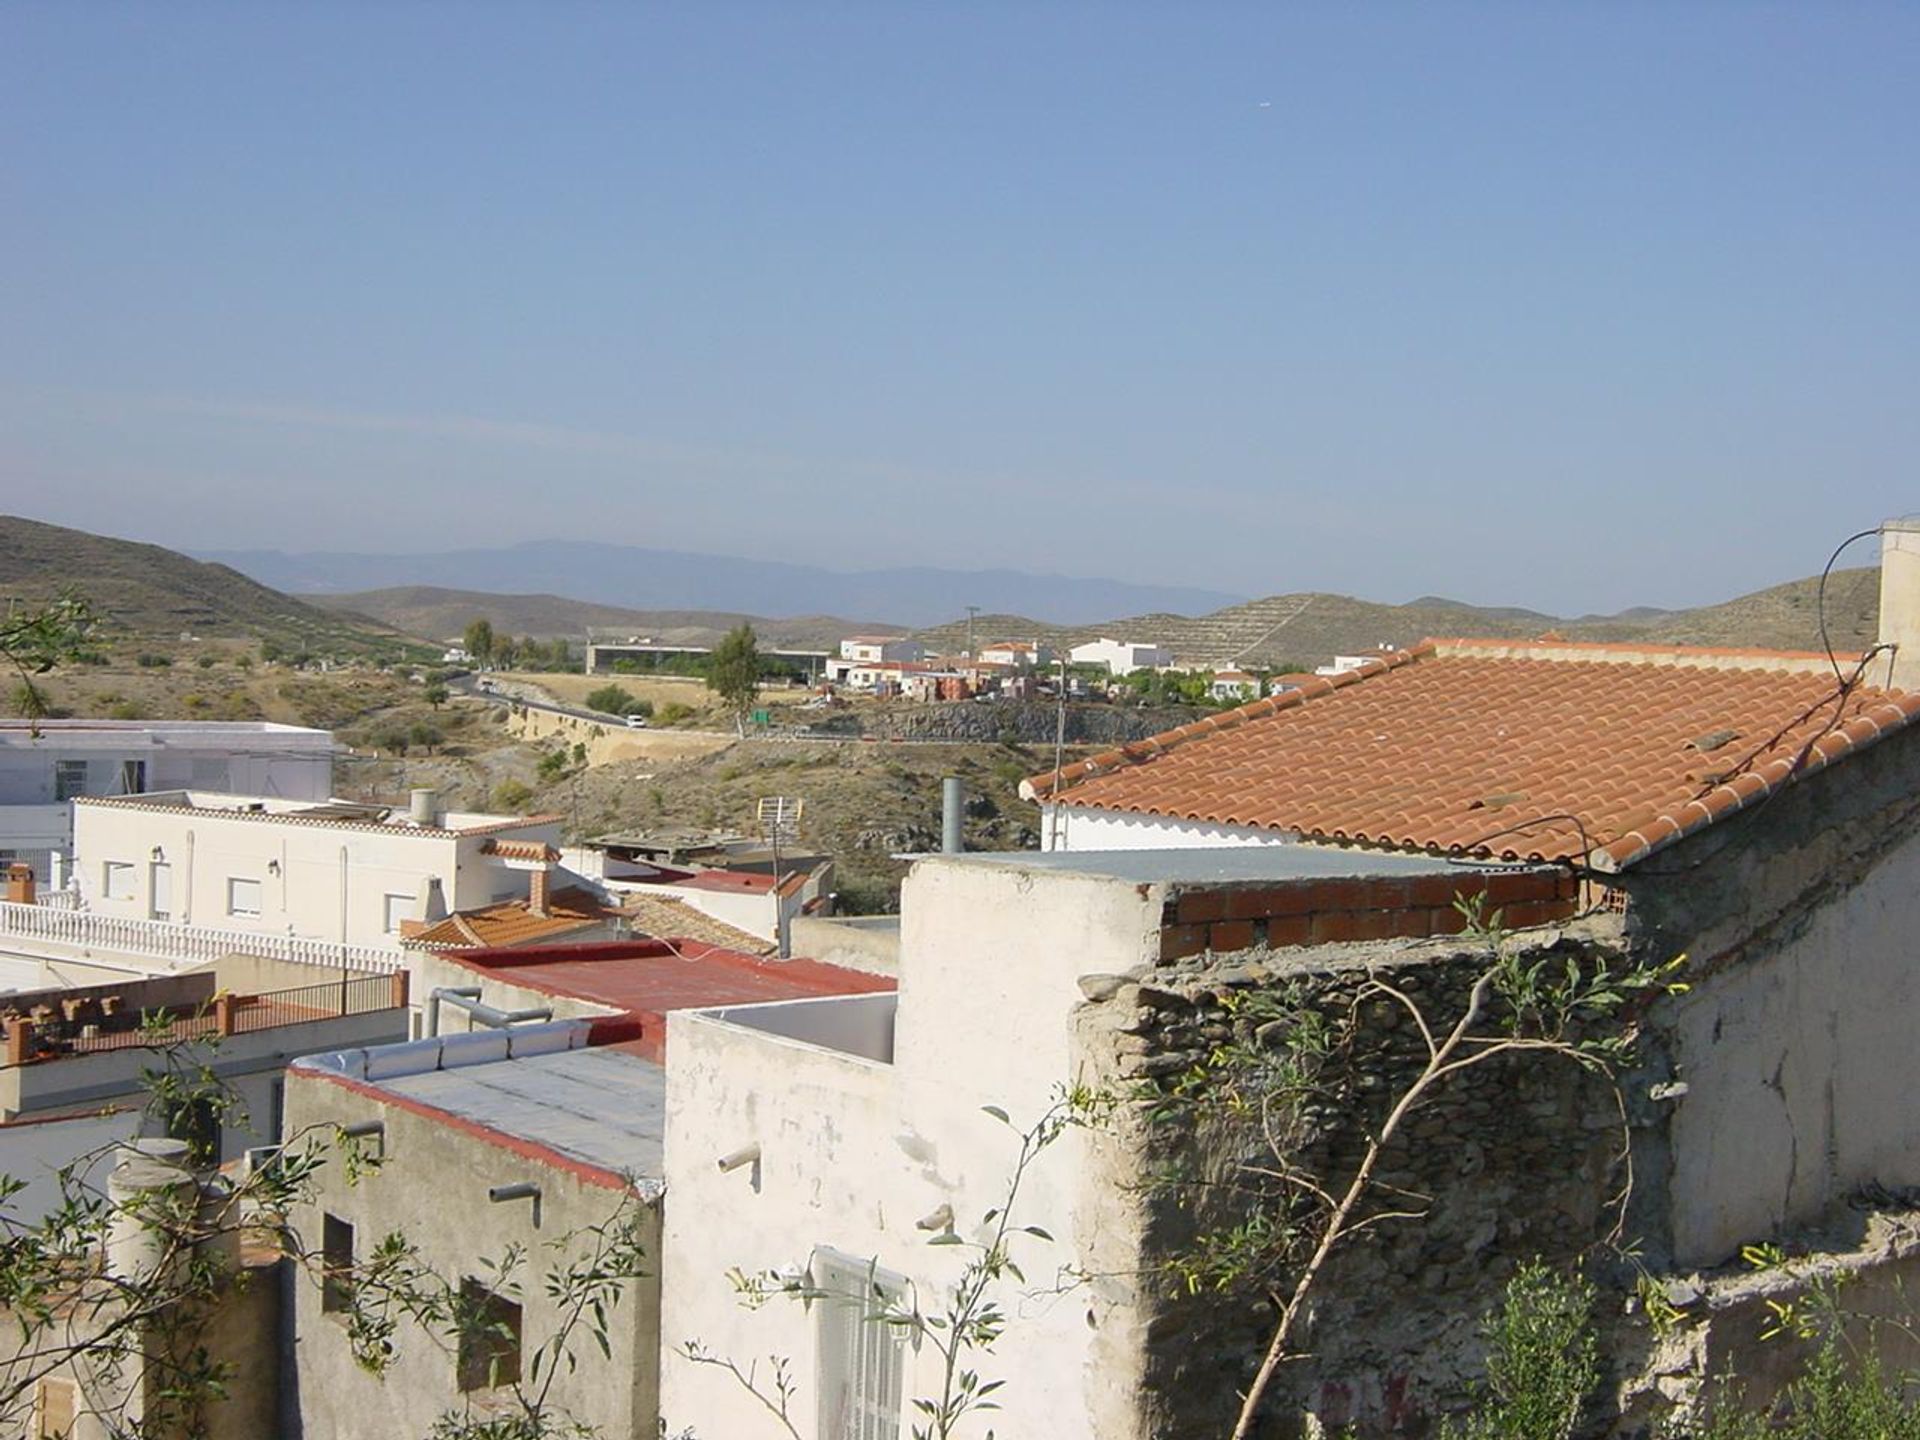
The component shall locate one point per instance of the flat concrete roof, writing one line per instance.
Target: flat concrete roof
(603, 1106)
(1225, 864)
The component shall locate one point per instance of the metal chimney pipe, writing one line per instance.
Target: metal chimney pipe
(951, 799)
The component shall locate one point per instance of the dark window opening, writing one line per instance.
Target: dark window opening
(336, 1265)
(489, 1338)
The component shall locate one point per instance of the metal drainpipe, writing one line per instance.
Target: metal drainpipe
(467, 998)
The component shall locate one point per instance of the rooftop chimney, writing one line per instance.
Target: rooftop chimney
(20, 883)
(1900, 603)
(539, 887)
(422, 808)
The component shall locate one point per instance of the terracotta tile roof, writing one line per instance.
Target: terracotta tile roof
(665, 918)
(1504, 749)
(535, 850)
(511, 922)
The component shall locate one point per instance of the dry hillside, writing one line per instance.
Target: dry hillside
(147, 592)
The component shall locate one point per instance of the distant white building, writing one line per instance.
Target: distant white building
(882, 650)
(1021, 654)
(44, 767)
(1233, 685)
(1121, 657)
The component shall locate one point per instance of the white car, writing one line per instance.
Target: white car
(636, 722)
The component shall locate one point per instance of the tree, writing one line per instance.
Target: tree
(616, 700)
(36, 638)
(735, 673)
(436, 695)
(427, 737)
(478, 641)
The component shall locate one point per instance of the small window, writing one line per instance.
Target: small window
(399, 907)
(859, 1355)
(489, 1338)
(243, 897)
(336, 1265)
(133, 777)
(69, 779)
(117, 880)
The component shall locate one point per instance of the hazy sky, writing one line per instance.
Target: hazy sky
(1566, 306)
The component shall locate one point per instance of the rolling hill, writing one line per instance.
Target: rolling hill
(152, 593)
(1307, 629)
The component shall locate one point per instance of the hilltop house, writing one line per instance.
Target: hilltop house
(1121, 657)
(1746, 816)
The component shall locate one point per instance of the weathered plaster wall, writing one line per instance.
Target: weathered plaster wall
(1795, 1043)
(431, 1187)
(1517, 1160)
(854, 1153)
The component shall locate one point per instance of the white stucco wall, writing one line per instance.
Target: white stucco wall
(1801, 1070)
(285, 761)
(36, 1150)
(325, 882)
(1072, 827)
(854, 1152)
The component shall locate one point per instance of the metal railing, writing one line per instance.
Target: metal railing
(183, 944)
(53, 1037)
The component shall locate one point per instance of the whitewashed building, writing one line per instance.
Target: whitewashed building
(173, 878)
(45, 766)
(1121, 657)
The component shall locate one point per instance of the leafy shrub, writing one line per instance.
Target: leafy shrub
(206, 662)
(616, 700)
(673, 712)
(511, 796)
(150, 661)
(1542, 1360)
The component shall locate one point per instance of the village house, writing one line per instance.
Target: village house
(1020, 654)
(73, 1070)
(329, 882)
(1233, 685)
(529, 1113)
(1745, 819)
(48, 763)
(1121, 657)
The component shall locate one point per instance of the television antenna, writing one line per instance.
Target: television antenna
(779, 820)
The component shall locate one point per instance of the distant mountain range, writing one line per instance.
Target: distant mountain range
(639, 579)
(435, 613)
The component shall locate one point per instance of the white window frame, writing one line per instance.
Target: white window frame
(390, 918)
(235, 892)
(860, 1360)
(119, 880)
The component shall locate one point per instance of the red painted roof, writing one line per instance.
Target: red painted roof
(648, 978)
(1546, 751)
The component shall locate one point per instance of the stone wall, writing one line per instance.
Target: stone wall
(1517, 1159)
(1033, 722)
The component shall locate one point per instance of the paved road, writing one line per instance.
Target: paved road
(468, 685)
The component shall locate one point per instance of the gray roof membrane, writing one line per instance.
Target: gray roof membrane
(600, 1106)
(1227, 864)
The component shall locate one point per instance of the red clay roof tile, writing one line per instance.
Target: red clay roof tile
(1544, 752)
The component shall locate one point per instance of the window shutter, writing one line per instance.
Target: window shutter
(860, 1359)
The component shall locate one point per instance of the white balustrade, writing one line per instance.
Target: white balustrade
(181, 944)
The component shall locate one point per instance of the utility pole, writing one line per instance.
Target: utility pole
(972, 610)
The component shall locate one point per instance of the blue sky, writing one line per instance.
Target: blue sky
(1567, 306)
